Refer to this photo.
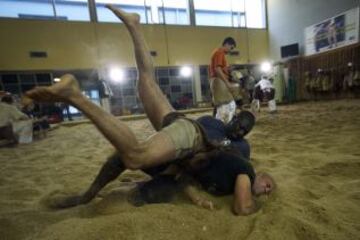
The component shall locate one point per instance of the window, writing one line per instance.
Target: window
(150, 11)
(230, 13)
(75, 10)
(10, 83)
(18, 83)
(217, 13)
(92, 94)
(164, 81)
(176, 88)
(255, 13)
(27, 9)
(45, 9)
(205, 85)
(175, 11)
(43, 79)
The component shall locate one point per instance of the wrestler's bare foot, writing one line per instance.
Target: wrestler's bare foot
(130, 19)
(64, 91)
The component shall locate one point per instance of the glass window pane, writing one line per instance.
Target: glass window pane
(238, 7)
(105, 15)
(43, 78)
(128, 91)
(255, 13)
(94, 94)
(77, 10)
(162, 72)
(230, 13)
(176, 88)
(72, 110)
(175, 11)
(27, 78)
(213, 12)
(164, 81)
(31, 9)
(9, 79)
(12, 88)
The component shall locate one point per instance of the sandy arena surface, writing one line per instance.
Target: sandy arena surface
(312, 149)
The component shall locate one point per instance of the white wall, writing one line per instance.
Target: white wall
(287, 19)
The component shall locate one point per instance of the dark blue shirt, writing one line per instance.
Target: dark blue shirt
(215, 131)
(218, 177)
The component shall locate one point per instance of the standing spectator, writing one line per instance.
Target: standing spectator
(15, 126)
(250, 86)
(220, 85)
(264, 91)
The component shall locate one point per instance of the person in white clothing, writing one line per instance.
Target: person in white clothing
(264, 91)
(15, 126)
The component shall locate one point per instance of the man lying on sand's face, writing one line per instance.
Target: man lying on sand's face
(264, 184)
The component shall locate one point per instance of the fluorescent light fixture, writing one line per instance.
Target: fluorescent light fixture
(265, 67)
(186, 71)
(117, 74)
(57, 79)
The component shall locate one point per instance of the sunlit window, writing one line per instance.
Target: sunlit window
(75, 10)
(175, 11)
(255, 13)
(224, 13)
(230, 13)
(27, 9)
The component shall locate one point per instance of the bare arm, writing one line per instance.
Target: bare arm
(243, 201)
(193, 193)
(220, 74)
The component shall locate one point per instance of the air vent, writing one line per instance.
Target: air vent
(153, 53)
(234, 53)
(38, 54)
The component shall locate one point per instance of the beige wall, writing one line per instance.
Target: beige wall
(77, 45)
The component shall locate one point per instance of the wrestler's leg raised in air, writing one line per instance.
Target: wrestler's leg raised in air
(155, 103)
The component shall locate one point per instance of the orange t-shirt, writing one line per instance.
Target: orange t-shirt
(218, 60)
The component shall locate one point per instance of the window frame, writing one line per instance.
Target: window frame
(93, 18)
(55, 17)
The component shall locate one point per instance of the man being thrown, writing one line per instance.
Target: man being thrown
(181, 142)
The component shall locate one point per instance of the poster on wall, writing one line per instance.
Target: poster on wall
(335, 32)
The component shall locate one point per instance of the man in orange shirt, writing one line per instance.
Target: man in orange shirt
(220, 85)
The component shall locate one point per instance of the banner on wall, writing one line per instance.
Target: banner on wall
(335, 32)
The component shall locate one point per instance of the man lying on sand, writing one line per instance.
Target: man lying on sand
(181, 142)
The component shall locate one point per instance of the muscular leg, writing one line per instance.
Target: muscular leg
(108, 172)
(155, 103)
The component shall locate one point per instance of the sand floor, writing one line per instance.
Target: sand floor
(312, 149)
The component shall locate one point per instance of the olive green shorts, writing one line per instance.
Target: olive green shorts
(186, 137)
(220, 92)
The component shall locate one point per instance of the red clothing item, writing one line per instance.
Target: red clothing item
(218, 60)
